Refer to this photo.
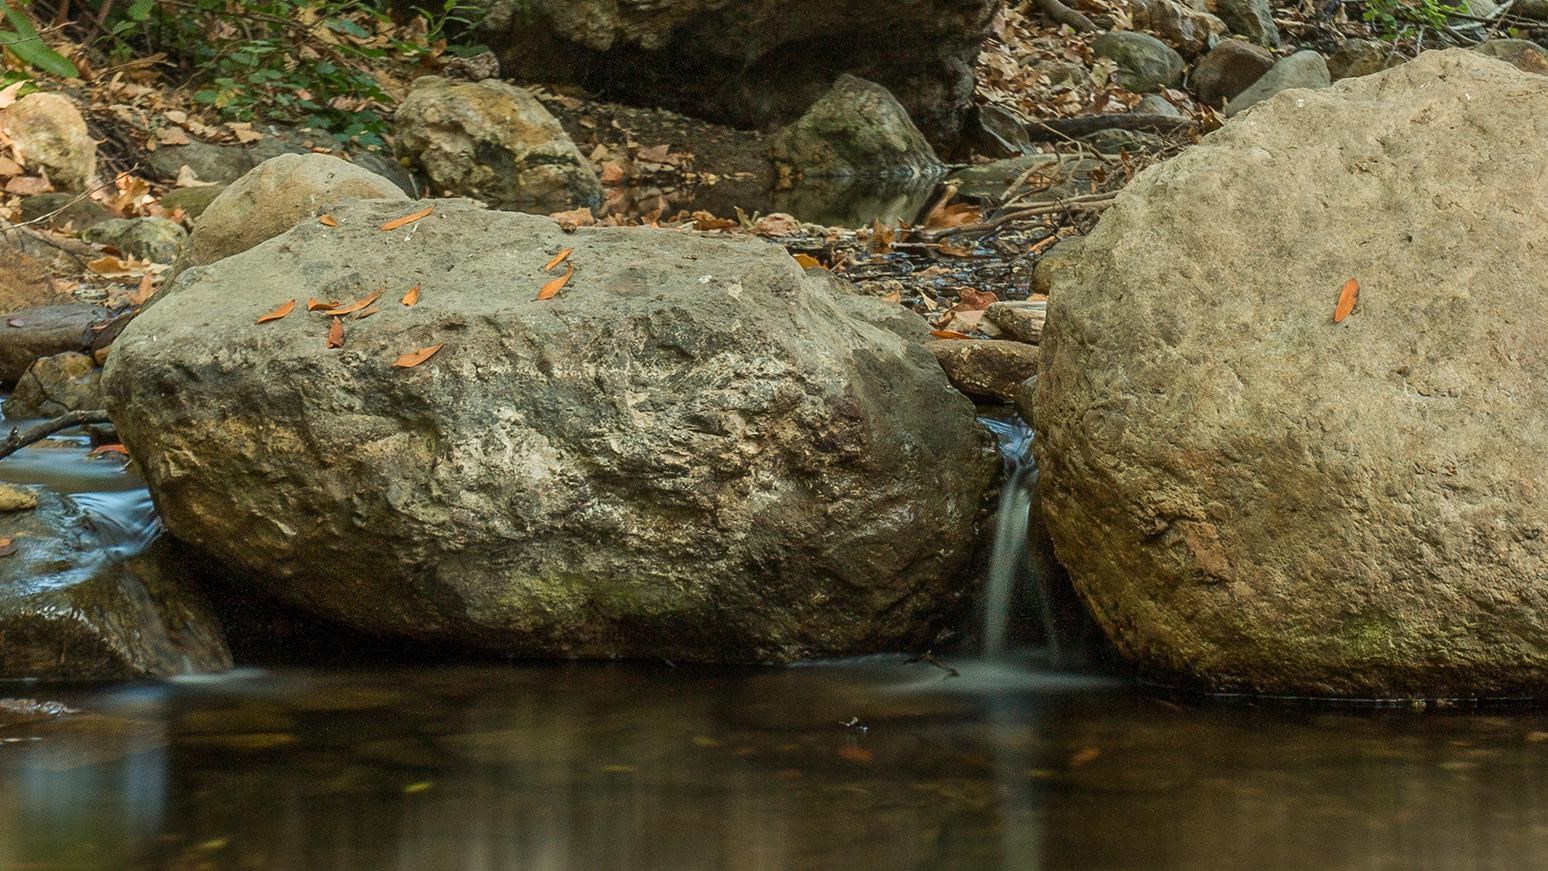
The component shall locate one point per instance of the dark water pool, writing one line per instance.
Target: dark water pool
(878, 764)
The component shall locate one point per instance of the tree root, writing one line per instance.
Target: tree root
(1062, 14)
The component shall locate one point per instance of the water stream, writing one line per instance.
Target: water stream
(1016, 573)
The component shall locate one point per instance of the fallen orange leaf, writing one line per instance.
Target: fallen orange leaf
(328, 221)
(313, 304)
(551, 289)
(414, 358)
(854, 753)
(558, 259)
(949, 334)
(412, 297)
(7, 547)
(144, 292)
(336, 334)
(807, 261)
(99, 450)
(1084, 756)
(404, 221)
(353, 307)
(278, 313)
(367, 312)
(1346, 300)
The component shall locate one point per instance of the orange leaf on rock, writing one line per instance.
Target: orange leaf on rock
(807, 261)
(412, 297)
(558, 259)
(7, 547)
(353, 307)
(278, 313)
(315, 304)
(99, 450)
(949, 334)
(336, 334)
(551, 289)
(414, 358)
(404, 221)
(367, 312)
(1346, 300)
(328, 221)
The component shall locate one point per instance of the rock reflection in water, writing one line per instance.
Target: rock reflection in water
(874, 764)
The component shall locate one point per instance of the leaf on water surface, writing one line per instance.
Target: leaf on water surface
(336, 334)
(551, 289)
(855, 753)
(404, 221)
(949, 334)
(412, 297)
(807, 261)
(421, 786)
(414, 358)
(16, 322)
(353, 307)
(558, 259)
(1084, 756)
(278, 313)
(328, 221)
(99, 450)
(1346, 300)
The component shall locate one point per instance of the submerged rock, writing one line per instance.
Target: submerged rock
(49, 132)
(693, 451)
(72, 610)
(1252, 497)
(494, 142)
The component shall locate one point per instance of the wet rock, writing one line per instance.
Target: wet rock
(1520, 53)
(192, 200)
(1362, 57)
(14, 498)
(1054, 263)
(155, 239)
(1021, 321)
(276, 196)
(1304, 69)
(50, 132)
(985, 368)
(70, 610)
(1188, 30)
(1025, 401)
(857, 129)
(43, 331)
(55, 385)
(1145, 63)
(693, 451)
(494, 142)
(996, 131)
(1230, 68)
(1235, 521)
(65, 209)
(755, 63)
(217, 163)
(1253, 19)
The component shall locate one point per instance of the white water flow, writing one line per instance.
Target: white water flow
(1011, 567)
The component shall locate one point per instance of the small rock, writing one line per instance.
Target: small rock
(858, 128)
(192, 200)
(1052, 264)
(1361, 57)
(277, 195)
(67, 210)
(56, 385)
(1155, 104)
(1066, 177)
(1190, 31)
(1253, 19)
(50, 132)
(1021, 321)
(43, 331)
(1520, 53)
(1537, 10)
(1145, 63)
(1304, 69)
(217, 163)
(14, 498)
(158, 240)
(1061, 72)
(494, 142)
(24, 280)
(1229, 69)
(387, 167)
(985, 368)
(996, 131)
(484, 65)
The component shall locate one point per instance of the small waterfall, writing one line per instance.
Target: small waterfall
(1012, 570)
(125, 521)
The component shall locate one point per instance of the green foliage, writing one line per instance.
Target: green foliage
(1395, 19)
(24, 41)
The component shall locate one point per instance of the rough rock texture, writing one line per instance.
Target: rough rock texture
(1520, 53)
(1230, 68)
(1304, 69)
(756, 63)
(17, 498)
(192, 200)
(1190, 31)
(1252, 497)
(1253, 19)
(70, 610)
(55, 385)
(1021, 320)
(217, 163)
(158, 240)
(692, 451)
(857, 129)
(1145, 63)
(24, 280)
(275, 196)
(49, 131)
(1362, 57)
(30, 333)
(494, 142)
(985, 368)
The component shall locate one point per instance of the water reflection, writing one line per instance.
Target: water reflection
(876, 764)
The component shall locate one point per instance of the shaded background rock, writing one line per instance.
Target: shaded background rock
(1304, 69)
(158, 240)
(857, 128)
(1145, 63)
(1229, 69)
(42, 331)
(50, 132)
(54, 385)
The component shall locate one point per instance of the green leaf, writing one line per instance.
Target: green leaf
(140, 10)
(26, 44)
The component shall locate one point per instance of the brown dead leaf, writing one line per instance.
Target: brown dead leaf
(328, 221)
(974, 300)
(414, 358)
(412, 297)
(1346, 300)
(109, 266)
(568, 221)
(172, 136)
(314, 304)
(951, 250)
(404, 221)
(278, 313)
(558, 259)
(99, 450)
(8, 94)
(145, 291)
(7, 547)
(28, 186)
(1084, 756)
(9, 167)
(551, 289)
(807, 261)
(336, 333)
(367, 312)
(949, 334)
(353, 307)
(895, 296)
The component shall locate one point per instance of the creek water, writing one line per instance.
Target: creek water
(887, 763)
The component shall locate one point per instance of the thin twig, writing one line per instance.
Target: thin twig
(19, 438)
(1087, 203)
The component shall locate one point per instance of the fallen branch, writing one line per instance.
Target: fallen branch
(1085, 125)
(19, 439)
(1062, 14)
(1088, 203)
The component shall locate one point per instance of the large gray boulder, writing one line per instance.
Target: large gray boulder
(857, 129)
(692, 451)
(756, 63)
(1304, 69)
(1251, 496)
